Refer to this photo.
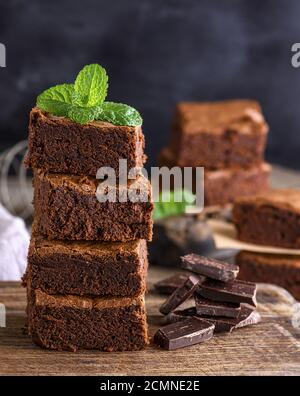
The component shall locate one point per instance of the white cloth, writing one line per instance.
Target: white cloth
(14, 243)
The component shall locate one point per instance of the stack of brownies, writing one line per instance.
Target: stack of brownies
(87, 265)
(228, 139)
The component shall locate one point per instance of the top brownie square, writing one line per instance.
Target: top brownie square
(219, 134)
(59, 145)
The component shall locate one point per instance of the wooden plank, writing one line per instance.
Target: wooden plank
(271, 347)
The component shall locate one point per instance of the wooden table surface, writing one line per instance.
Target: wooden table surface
(269, 348)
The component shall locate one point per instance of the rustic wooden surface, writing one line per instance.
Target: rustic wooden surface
(269, 348)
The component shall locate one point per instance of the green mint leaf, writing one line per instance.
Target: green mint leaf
(168, 206)
(76, 99)
(56, 100)
(91, 84)
(82, 115)
(119, 114)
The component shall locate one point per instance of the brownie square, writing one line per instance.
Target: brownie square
(59, 145)
(219, 134)
(270, 218)
(223, 186)
(66, 207)
(88, 268)
(281, 269)
(66, 322)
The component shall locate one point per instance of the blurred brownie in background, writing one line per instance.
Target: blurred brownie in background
(270, 218)
(228, 139)
(219, 134)
(222, 186)
(282, 270)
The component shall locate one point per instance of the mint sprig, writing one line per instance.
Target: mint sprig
(119, 114)
(173, 203)
(84, 101)
(91, 85)
(56, 100)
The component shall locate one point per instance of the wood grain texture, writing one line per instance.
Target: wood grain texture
(271, 347)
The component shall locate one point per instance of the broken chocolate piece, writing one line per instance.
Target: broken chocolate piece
(211, 268)
(169, 285)
(181, 294)
(181, 334)
(235, 292)
(223, 324)
(216, 308)
(180, 314)
(246, 317)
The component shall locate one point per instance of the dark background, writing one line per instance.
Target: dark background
(156, 52)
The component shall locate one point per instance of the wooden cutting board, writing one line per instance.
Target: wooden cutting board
(269, 348)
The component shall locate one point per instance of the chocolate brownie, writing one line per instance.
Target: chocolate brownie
(66, 207)
(57, 144)
(280, 269)
(88, 268)
(219, 134)
(66, 322)
(223, 186)
(270, 218)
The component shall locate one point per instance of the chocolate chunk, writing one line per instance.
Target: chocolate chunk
(181, 334)
(246, 317)
(180, 314)
(169, 285)
(235, 292)
(211, 268)
(216, 308)
(180, 295)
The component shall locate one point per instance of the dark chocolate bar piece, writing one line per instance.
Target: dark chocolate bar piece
(216, 308)
(246, 317)
(211, 268)
(235, 292)
(180, 314)
(180, 295)
(169, 285)
(181, 334)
